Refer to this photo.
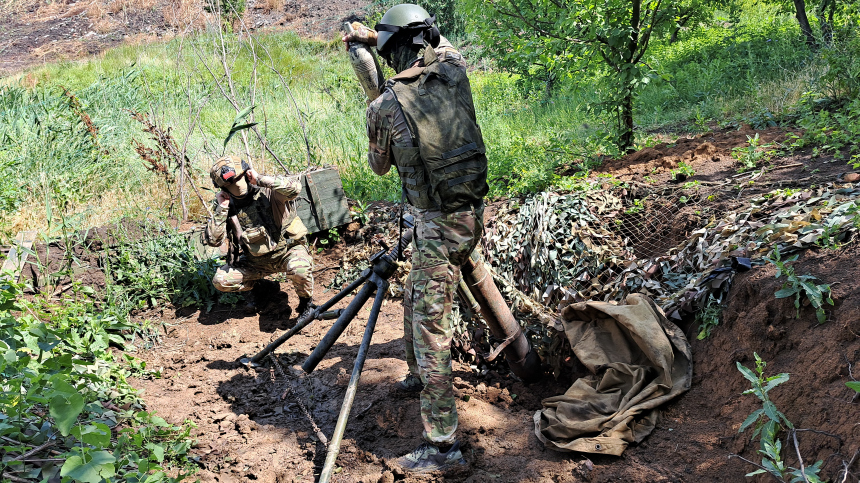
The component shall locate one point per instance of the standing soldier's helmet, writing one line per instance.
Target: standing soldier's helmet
(405, 25)
(228, 170)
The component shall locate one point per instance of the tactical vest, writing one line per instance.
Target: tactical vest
(448, 167)
(261, 232)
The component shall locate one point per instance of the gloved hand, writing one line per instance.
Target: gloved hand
(361, 33)
(223, 198)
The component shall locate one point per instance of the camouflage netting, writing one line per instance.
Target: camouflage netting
(603, 243)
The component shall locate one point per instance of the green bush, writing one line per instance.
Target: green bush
(61, 383)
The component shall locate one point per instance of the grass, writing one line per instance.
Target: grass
(51, 164)
(733, 69)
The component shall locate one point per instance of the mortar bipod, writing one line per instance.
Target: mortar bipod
(375, 279)
(383, 266)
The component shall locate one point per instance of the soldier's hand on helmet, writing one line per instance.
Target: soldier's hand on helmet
(361, 33)
(223, 199)
(253, 176)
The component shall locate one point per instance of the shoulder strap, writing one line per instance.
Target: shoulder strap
(410, 73)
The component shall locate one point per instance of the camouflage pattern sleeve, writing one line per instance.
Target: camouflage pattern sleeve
(288, 187)
(216, 227)
(386, 126)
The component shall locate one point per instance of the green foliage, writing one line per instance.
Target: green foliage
(62, 384)
(229, 10)
(683, 169)
(709, 317)
(165, 268)
(753, 153)
(800, 286)
(769, 421)
(853, 385)
(554, 39)
(747, 62)
(359, 212)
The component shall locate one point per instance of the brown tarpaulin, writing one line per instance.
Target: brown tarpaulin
(639, 360)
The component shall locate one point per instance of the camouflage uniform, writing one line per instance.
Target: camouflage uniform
(442, 244)
(273, 197)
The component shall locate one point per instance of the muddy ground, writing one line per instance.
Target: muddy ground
(251, 426)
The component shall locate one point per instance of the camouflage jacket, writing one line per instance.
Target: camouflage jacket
(386, 125)
(281, 190)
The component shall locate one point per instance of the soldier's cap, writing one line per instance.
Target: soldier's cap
(227, 170)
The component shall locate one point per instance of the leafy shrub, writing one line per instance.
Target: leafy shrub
(768, 422)
(164, 268)
(800, 285)
(63, 389)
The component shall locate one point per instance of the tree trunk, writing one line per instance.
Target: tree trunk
(626, 139)
(800, 13)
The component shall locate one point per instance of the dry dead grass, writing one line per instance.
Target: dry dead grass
(111, 206)
(269, 6)
(186, 15)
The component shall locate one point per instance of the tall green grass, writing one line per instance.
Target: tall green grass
(755, 64)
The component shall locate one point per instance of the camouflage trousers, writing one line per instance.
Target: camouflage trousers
(293, 260)
(441, 246)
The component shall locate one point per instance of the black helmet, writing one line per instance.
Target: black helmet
(406, 23)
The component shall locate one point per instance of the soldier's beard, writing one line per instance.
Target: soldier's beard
(238, 189)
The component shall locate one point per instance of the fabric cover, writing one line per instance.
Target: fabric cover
(639, 360)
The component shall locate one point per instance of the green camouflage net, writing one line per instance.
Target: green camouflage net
(603, 243)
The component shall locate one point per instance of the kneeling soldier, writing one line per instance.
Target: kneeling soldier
(271, 235)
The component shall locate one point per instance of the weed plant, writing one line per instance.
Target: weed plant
(800, 286)
(768, 422)
(63, 389)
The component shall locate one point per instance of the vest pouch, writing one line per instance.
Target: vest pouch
(413, 176)
(257, 241)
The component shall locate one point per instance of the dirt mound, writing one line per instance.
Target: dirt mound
(697, 434)
(709, 154)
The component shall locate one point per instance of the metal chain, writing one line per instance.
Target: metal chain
(289, 390)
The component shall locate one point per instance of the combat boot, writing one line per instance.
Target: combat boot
(428, 457)
(411, 384)
(306, 304)
(260, 297)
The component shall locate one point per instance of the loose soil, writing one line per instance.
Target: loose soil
(40, 31)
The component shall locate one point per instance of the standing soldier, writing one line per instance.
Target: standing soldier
(271, 236)
(424, 123)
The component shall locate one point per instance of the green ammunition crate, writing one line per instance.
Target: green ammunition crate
(322, 203)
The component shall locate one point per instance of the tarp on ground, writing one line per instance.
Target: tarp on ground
(639, 360)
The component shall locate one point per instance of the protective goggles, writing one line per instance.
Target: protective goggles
(415, 30)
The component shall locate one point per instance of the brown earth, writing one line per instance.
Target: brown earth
(248, 430)
(40, 31)
(710, 155)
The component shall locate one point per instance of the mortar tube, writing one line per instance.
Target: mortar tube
(340, 324)
(351, 388)
(523, 361)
